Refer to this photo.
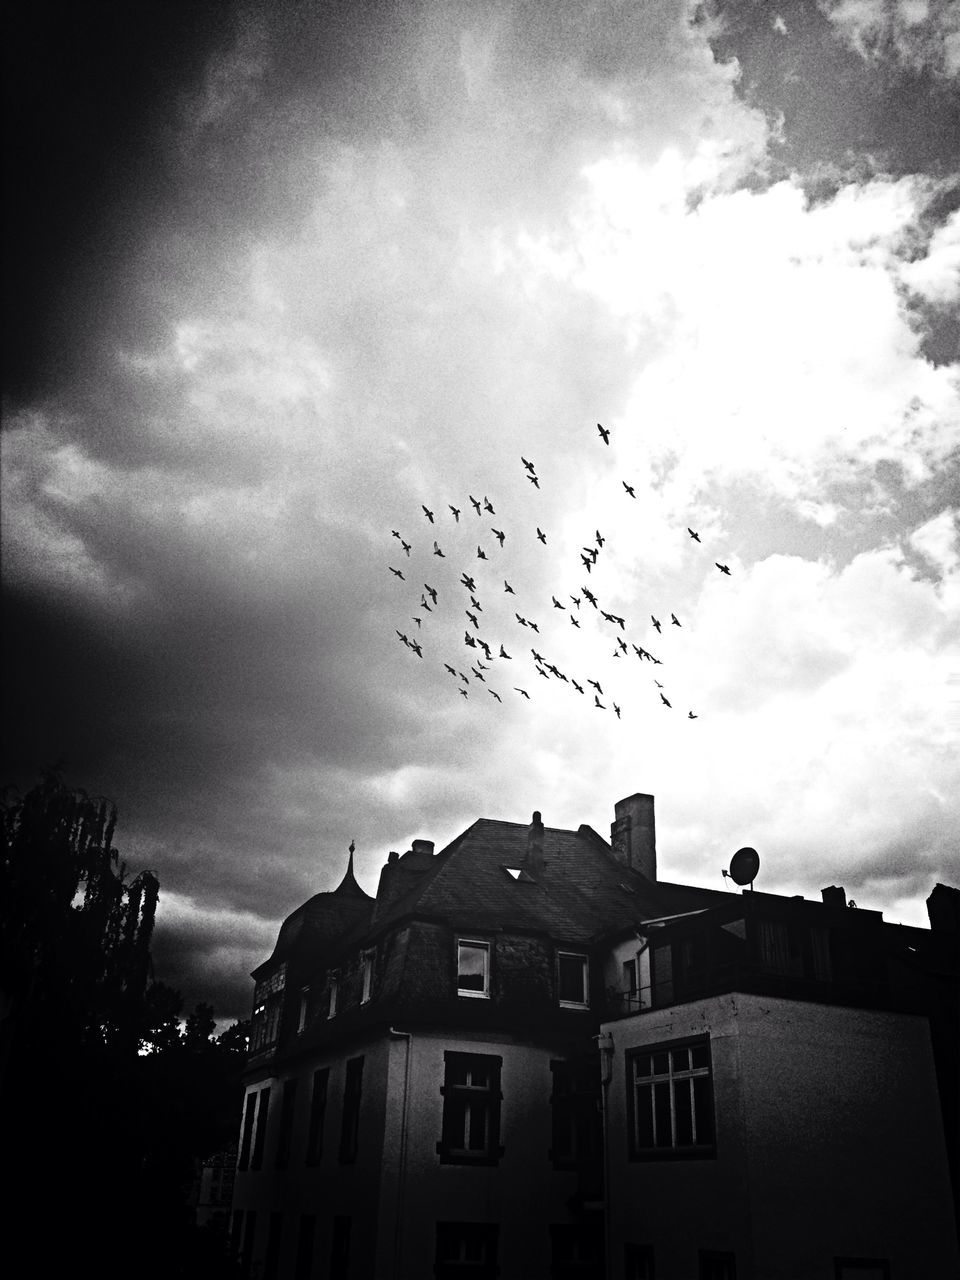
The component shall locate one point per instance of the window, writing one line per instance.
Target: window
(366, 976)
(471, 1109)
(249, 1233)
(271, 1261)
(572, 980)
(473, 968)
(260, 1129)
(466, 1249)
(670, 1100)
(576, 1251)
(305, 1238)
(630, 982)
(333, 991)
(246, 1138)
(575, 1109)
(288, 1106)
(340, 1248)
(715, 1265)
(638, 1262)
(304, 1009)
(350, 1122)
(318, 1109)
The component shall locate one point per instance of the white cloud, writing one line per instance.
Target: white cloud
(920, 34)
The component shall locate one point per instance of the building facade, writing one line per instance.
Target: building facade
(529, 1057)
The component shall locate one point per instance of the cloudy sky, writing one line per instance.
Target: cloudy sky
(279, 274)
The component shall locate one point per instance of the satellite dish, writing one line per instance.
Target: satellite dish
(744, 866)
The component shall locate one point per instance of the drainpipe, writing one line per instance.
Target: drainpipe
(606, 1047)
(402, 1161)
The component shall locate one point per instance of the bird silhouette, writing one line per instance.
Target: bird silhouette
(476, 604)
(609, 616)
(450, 669)
(468, 582)
(578, 687)
(664, 701)
(456, 512)
(534, 627)
(598, 703)
(575, 621)
(417, 621)
(469, 640)
(522, 621)
(507, 587)
(476, 504)
(500, 535)
(481, 554)
(485, 647)
(576, 600)
(542, 536)
(528, 465)
(675, 620)
(534, 481)
(495, 694)
(396, 535)
(428, 513)
(424, 605)
(604, 433)
(397, 572)
(629, 488)
(437, 551)
(557, 604)
(655, 623)
(722, 567)
(504, 654)
(405, 545)
(622, 644)
(541, 672)
(658, 684)
(588, 595)
(431, 592)
(617, 710)
(592, 553)
(595, 685)
(463, 693)
(487, 506)
(403, 637)
(587, 563)
(694, 536)
(478, 674)
(691, 716)
(600, 541)
(473, 618)
(416, 648)
(523, 691)
(465, 679)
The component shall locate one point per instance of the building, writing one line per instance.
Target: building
(530, 1057)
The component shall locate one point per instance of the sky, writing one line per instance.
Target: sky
(282, 275)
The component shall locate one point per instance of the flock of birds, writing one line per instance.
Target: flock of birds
(495, 652)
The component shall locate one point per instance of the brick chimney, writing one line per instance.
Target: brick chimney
(633, 834)
(533, 861)
(401, 873)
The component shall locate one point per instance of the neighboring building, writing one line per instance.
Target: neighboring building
(213, 1192)
(425, 1095)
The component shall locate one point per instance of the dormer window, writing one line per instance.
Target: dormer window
(304, 1008)
(366, 976)
(333, 988)
(473, 968)
(573, 990)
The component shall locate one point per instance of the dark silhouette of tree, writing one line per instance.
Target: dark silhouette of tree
(107, 1103)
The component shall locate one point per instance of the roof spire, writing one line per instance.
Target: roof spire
(348, 885)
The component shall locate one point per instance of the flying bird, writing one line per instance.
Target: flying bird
(478, 674)
(473, 618)
(465, 679)
(592, 552)
(691, 716)
(722, 567)
(557, 604)
(522, 621)
(587, 563)
(664, 701)
(476, 604)
(397, 572)
(437, 551)
(576, 600)
(528, 465)
(450, 669)
(500, 535)
(431, 592)
(574, 621)
(537, 657)
(655, 623)
(617, 710)
(417, 621)
(463, 693)
(481, 554)
(629, 488)
(424, 605)
(675, 620)
(416, 648)
(405, 545)
(496, 695)
(589, 596)
(534, 481)
(507, 587)
(534, 626)
(428, 513)
(596, 685)
(658, 684)
(694, 536)
(504, 654)
(598, 703)
(396, 535)
(622, 644)
(476, 504)
(468, 582)
(604, 433)
(541, 672)
(523, 691)
(403, 637)
(600, 541)
(456, 512)
(578, 687)
(487, 506)
(541, 535)
(486, 649)
(469, 640)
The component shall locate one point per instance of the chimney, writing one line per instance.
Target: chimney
(533, 862)
(833, 896)
(633, 834)
(401, 873)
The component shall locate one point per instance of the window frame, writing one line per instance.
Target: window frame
(288, 1110)
(366, 976)
(319, 1093)
(458, 1094)
(333, 992)
(671, 1078)
(465, 1235)
(350, 1114)
(485, 947)
(583, 957)
(260, 1128)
